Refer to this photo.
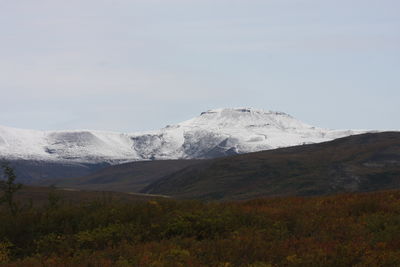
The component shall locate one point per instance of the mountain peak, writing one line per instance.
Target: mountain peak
(215, 132)
(240, 110)
(241, 118)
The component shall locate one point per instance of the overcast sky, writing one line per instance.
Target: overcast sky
(130, 65)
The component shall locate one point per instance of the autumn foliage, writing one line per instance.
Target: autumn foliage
(342, 230)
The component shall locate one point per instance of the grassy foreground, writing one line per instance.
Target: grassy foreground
(343, 230)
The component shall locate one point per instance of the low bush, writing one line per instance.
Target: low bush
(343, 230)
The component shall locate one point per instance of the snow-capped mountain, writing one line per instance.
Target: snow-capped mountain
(214, 133)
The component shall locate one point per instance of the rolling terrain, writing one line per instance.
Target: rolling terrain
(127, 177)
(358, 163)
(39, 196)
(34, 171)
(215, 133)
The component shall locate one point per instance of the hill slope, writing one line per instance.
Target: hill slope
(214, 133)
(42, 196)
(33, 171)
(363, 162)
(127, 177)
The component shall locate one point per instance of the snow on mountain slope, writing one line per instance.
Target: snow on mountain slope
(214, 133)
(85, 146)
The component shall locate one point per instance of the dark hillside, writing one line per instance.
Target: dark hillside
(357, 163)
(39, 196)
(34, 171)
(127, 177)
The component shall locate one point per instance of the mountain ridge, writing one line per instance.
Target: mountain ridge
(215, 133)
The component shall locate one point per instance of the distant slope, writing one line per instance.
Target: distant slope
(39, 196)
(33, 171)
(214, 133)
(363, 162)
(127, 177)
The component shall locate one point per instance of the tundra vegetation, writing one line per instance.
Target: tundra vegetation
(343, 230)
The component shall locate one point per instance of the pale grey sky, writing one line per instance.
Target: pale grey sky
(130, 65)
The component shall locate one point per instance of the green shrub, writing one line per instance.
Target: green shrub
(345, 230)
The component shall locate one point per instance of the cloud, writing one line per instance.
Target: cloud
(145, 61)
